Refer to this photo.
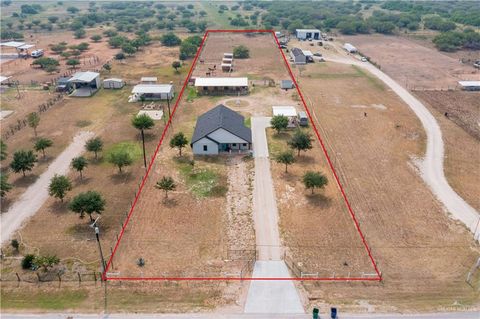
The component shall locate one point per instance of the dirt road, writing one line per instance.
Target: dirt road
(431, 166)
(35, 195)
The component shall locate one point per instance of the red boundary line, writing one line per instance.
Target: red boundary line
(352, 214)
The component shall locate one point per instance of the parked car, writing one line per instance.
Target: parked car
(282, 46)
(317, 54)
(364, 59)
(37, 53)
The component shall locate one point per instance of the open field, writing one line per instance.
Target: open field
(421, 252)
(411, 64)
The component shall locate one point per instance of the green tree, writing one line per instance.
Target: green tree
(96, 38)
(41, 144)
(73, 63)
(23, 161)
(279, 123)
(286, 158)
(87, 203)
(3, 150)
(313, 180)
(170, 39)
(117, 41)
(300, 141)
(187, 50)
(94, 145)
(179, 141)
(79, 164)
(59, 186)
(44, 62)
(52, 19)
(46, 262)
(120, 158)
(176, 65)
(166, 184)
(33, 121)
(72, 10)
(128, 49)
(241, 52)
(143, 122)
(5, 186)
(80, 33)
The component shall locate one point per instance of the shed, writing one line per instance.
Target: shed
(5, 80)
(288, 111)
(228, 85)
(286, 84)
(228, 55)
(152, 92)
(85, 83)
(221, 130)
(113, 83)
(307, 34)
(148, 80)
(470, 85)
(350, 48)
(308, 55)
(227, 67)
(297, 56)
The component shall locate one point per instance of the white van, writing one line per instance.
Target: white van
(37, 53)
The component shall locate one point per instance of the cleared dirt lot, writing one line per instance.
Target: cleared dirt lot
(421, 252)
(411, 64)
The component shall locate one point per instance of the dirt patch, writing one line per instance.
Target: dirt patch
(411, 64)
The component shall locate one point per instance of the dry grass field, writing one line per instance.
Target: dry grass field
(424, 256)
(411, 64)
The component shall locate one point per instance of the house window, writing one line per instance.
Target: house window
(244, 144)
(205, 148)
(205, 88)
(226, 88)
(234, 145)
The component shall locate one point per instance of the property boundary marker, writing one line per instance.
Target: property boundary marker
(377, 276)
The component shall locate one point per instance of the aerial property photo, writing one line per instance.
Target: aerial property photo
(240, 159)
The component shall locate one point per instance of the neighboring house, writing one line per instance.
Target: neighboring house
(470, 85)
(220, 130)
(148, 80)
(151, 92)
(85, 83)
(288, 111)
(307, 34)
(350, 48)
(297, 56)
(286, 85)
(217, 86)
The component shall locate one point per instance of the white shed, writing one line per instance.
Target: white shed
(350, 48)
(148, 80)
(470, 85)
(152, 92)
(288, 111)
(113, 83)
(306, 34)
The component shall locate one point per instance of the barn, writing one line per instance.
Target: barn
(350, 48)
(85, 83)
(218, 86)
(152, 92)
(307, 34)
(297, 56)
(113, 83)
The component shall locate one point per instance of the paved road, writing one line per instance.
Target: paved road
(431, 166)
(451, 315)
(280, 297)
(36, 194)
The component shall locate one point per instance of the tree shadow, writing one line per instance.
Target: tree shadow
(289, 176)
(319, 200)
(25, 181)
(305, 159)
(149, 137)
(82, 181)
(58, 207)
(81, 231)
(121, 178)
(169, 202)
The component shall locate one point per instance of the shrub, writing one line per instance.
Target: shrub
(28, 261)
(241, 52)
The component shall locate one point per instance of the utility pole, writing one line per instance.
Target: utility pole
(104, 265)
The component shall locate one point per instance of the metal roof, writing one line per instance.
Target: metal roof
(113, 80)
(12, 44)
(149, 79)
(3, 78)
(288, 111)
(221, 117)
(469, 83)
(26, 46)
(286, 84)
(152, 88)
(297, 52)
(221, 82)
(87, 76)
(307, 30)
(307, 53)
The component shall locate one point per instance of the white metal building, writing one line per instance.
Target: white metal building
(148, 80)
(152, 92)
(470, 85)
(350, 48)
(288, 111)
(306, 34)
(113, 83)
(85, 83)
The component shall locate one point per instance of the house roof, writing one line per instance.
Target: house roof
(288, 111)
(286, 84)
(221, 81)
(152, 88)
(113, 80)
(221, 117)
(307, 30)
(12, 44)
(469, 83)
(297, 52)
(349, 47)
(4, 78)
(87, 76)
(307, 53)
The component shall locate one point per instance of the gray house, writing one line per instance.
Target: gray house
(297, 56)
(221, 130)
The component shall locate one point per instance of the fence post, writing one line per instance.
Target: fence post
(111, 257)
(79, 278)
(59, 279)
(95, 277)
